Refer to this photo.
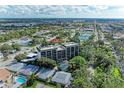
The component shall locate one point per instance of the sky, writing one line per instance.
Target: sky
(59, 11)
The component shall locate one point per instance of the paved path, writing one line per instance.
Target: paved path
(96, 32)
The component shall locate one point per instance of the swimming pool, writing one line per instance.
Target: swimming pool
(84, 37)
(21, 79)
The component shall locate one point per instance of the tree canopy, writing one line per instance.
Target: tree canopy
(20, 57)
(46, 62)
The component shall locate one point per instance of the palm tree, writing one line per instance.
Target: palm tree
(31, 79)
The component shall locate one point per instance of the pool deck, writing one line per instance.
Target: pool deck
(17, 85)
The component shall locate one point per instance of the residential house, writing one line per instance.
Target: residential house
(63, 78)
(5, 78)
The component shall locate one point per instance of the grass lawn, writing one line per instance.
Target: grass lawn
(45, 84)
(116, 72)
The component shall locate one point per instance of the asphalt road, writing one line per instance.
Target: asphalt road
(12, 56)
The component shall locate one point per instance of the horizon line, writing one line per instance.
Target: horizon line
(57, 18)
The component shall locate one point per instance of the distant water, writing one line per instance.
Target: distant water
(16, 23)
(50, 20)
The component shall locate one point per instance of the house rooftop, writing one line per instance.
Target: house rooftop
(24, 41)
(45, 73)
(62, 78)
(28, 60)
(56, 40)
(29, 69)
(4, 74)
(16, 67)
(30, 57)
(32, 54)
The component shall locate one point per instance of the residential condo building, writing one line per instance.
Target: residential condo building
(61, 52)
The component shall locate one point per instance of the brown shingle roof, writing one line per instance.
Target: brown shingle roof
(4, 74)
(56, 40)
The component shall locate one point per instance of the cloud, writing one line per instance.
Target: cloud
(59, 11)
(121, 9)
(4, 9)
(101, 7)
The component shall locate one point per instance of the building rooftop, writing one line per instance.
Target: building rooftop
(58, 47)
(49, 47)
(32, 55)
(45, 73)
(29, 69)
(70, 44)
(4, 74)
(28, 60)
(62, 78)
(87, 28)
(56, 40)
(16, 67)
(24, 41)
